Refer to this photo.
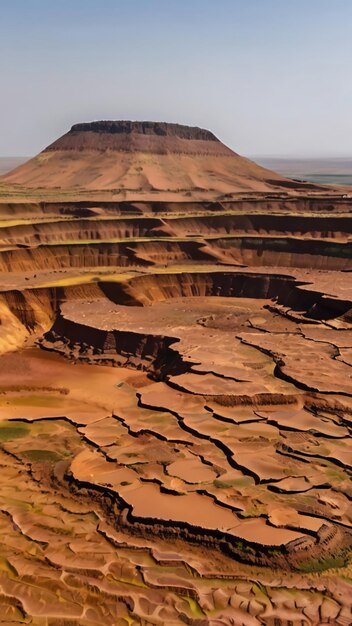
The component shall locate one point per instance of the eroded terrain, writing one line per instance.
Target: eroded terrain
(175, 402)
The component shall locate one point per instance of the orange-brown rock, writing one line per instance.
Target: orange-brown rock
(175, 386)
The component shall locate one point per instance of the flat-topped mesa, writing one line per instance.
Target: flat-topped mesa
(146, 161)
(143, 136)
(146, 128)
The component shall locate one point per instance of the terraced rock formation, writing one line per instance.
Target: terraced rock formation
(175, 390)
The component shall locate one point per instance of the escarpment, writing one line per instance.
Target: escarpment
(175, 388)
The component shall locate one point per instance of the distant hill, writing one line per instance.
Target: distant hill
(328, 171)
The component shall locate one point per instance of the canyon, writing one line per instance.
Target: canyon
(176, 386)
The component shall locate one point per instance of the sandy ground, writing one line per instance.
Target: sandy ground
(175, 389)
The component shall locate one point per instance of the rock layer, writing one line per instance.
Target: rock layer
(175, 388)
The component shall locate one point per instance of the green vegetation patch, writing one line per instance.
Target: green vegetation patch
(32, 400)
(331, 562)
(194, 607)
(246, 481)
(10, 430)
(41, 455)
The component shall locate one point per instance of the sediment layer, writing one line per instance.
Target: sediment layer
(175, 389)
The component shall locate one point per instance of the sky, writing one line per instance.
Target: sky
(268, 77)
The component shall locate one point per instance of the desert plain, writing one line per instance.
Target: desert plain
(175, 386)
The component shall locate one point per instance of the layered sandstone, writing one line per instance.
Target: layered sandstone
(175, 387)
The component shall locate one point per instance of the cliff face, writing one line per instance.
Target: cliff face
(146, 137)
(146, 128)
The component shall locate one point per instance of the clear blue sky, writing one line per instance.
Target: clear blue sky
(269, 77)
